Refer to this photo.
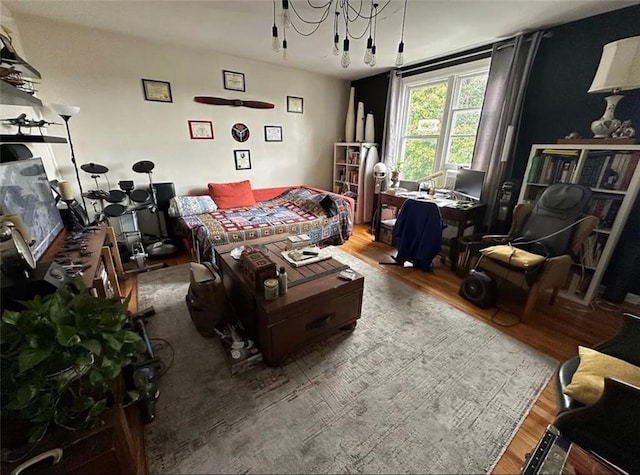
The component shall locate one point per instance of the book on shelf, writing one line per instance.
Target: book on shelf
(592, 249)
(609, 170)
(553, 166)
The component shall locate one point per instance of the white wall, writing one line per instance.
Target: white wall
(44, 151)
(101, 72)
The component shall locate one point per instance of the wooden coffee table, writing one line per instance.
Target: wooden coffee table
(317, 304)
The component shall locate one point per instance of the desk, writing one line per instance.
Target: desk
(462, 218)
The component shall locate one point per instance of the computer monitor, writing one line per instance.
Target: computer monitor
(469, 183)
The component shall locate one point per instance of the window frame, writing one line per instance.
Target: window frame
(453, 77)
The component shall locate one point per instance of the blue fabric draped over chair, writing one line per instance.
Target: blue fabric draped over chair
(418, 233)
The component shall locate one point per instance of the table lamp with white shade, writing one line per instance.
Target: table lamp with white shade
(619, 70)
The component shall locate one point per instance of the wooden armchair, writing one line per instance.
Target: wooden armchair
(555, 270)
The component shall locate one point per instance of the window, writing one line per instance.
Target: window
(440, 113)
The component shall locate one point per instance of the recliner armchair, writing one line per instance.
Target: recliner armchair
(554, 271)
(611, 426)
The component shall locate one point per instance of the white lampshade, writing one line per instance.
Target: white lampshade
(619, 67)
(64, 110)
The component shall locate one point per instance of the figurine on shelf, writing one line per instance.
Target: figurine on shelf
(573, 135)
(625, 131)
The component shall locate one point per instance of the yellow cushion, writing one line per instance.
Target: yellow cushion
(512, 256)
(587, 383)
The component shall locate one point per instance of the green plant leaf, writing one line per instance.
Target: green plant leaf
(110, 369)
(67, 336)
(112, 341)
(82, 362)
(10, 318)
(92, 345)
(26, 393)
(31, 357)
(37, 432)
(131, 337)
(98, 408)
(133, 395)
(95, 377)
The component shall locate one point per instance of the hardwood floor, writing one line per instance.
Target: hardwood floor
(554, 330)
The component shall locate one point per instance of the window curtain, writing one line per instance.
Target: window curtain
(511, 64)
(392, 127)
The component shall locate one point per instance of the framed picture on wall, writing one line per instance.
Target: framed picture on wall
(201, 129)
(243, 159)
(272, 133)
(158, 91)
(294, 104)
(233, 81)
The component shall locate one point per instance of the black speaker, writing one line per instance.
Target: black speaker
(73, 216)
(164, 193)
(479, 289)
(45, 279)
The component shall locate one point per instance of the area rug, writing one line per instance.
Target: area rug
(417, 387)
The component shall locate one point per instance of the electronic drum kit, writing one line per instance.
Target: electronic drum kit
(128, 200)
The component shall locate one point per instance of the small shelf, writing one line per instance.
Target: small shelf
(612, 192)
(23, 67)
(4, 138)
(12, 96)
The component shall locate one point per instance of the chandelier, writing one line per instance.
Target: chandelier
(348, 21)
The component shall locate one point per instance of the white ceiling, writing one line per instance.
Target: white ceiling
(243, 27)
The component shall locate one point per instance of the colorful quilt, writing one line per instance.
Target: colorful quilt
(325, 217)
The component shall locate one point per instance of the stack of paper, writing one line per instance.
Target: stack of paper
(297, 258)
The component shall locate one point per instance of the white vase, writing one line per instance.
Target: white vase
(607, 124)
(360, 123)
(349, 125)
(369, 130)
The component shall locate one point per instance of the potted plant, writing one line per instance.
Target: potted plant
(59, 357)
(395, 173)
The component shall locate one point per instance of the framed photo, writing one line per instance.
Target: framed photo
(272, 133)
(201, 129)
(159, 91)
(294, 104)
(243, 159)
(233, 81)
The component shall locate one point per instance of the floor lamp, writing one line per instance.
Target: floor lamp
(66, 112)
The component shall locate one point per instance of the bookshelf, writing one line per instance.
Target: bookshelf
(353, 176)
(613, 174)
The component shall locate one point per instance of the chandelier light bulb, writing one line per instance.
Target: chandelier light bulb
(372, 63)
(336, 45)
(367, 53)
(346, 58)
(400, 55)
(285, 51)
(275, 42)
(286, 20)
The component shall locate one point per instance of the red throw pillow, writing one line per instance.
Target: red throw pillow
(232, 195)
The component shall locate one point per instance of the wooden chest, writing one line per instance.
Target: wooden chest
(313, 308)
(256, 268)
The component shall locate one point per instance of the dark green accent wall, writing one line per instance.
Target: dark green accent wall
(557, 101)
(372, 91)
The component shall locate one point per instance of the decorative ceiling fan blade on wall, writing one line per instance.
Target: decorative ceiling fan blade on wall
(221, 101)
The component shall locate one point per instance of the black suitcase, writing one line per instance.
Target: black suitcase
(206, 299)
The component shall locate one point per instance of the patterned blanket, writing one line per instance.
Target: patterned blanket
(325, 217)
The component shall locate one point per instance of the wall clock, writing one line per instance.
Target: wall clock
(240, 132)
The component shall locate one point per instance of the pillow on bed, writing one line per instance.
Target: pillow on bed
(190, 205)
(232, 195)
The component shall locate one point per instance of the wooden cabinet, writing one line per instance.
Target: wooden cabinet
(353, 176)
(613, 174)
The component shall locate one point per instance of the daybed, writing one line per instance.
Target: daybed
(216, 219)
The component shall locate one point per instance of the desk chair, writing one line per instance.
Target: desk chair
(418, 234)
